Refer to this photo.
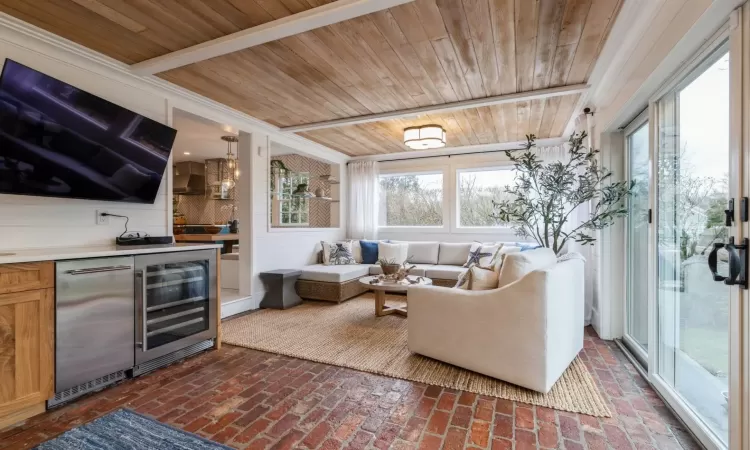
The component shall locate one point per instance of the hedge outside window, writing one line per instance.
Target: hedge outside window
(477, 188)
(411, 200)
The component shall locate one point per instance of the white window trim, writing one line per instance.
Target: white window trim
(643, 119)
(445, 227)
(456, 207)
(281, 201)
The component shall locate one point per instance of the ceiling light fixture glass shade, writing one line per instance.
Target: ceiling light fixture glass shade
(425, 137)
(231, 160)
(232, 172)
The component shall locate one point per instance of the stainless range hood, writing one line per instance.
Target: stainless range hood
(189, 178)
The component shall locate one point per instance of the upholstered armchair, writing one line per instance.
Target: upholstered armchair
(526, 332)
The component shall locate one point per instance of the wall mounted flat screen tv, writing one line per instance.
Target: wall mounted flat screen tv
(59, 141)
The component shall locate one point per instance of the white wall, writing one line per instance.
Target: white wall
(661, 36)
(276, 248)
(450, 232)
(27, 222)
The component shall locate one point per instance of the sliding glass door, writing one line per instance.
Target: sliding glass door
(639, 163)
(692, 310)
(688, 156)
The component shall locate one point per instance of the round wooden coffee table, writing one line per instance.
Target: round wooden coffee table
(381, 289)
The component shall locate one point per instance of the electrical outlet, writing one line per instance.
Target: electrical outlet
(100, 219)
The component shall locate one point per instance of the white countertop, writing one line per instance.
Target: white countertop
(63, 253)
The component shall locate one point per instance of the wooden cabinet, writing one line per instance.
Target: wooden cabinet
(27, 305)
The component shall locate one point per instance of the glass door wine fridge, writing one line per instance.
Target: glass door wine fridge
(175, 296)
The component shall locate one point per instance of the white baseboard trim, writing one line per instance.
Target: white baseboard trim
(239, 306)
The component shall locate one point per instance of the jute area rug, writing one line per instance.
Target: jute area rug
(349, 335)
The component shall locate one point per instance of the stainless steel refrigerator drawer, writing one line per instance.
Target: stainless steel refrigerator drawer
(95, 319)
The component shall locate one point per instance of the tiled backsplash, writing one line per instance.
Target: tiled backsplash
(201, 210)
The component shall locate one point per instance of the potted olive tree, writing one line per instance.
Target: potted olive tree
(546, 194)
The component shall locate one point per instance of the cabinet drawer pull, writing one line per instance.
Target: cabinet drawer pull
(98, 270)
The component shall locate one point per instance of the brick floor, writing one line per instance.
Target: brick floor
(255, 400)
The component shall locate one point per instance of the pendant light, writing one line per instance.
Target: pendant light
(231, 161)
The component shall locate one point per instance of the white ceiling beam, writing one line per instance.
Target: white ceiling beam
(459, 150)
(446, 107)
(318, 17)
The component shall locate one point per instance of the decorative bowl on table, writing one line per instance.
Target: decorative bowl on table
(212, 229)
(393, 270)
(390, 269)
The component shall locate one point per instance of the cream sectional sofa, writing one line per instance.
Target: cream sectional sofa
(440, 261)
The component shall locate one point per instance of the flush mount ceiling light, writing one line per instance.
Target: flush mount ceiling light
(424, 137)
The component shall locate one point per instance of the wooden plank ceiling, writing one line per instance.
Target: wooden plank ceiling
(428, 52)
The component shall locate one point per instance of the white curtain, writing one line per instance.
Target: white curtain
(580, 215)
(363, 199)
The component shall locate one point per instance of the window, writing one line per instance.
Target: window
(294, 210)
(477, 189)
(411, 200)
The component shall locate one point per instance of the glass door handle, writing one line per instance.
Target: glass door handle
(737, 263)
(737, 259)
(713, 262)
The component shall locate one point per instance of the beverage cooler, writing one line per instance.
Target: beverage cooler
(175, 297)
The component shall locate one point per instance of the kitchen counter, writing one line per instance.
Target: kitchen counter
(64, 253)
(229, 239)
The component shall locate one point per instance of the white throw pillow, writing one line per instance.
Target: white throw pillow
(482, 279)
(357, 251)
(337, 253)
(497, 263)
(518, 265)
(464, 281)
(393, 252)
(482, 254)
(477, 279)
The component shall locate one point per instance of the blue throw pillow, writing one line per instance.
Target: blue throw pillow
(369, 252)
(527, 245)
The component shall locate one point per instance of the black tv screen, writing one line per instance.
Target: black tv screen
(59, 141)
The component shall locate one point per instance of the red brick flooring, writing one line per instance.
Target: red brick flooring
(250, 399)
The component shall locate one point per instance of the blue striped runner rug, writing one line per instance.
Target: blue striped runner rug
(127, 430)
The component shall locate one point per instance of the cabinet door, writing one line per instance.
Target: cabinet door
(26, 353)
